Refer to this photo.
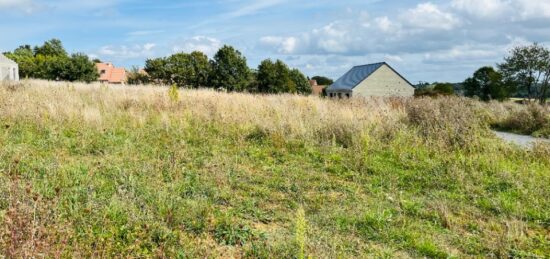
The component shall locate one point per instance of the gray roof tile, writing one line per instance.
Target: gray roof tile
(355, 76)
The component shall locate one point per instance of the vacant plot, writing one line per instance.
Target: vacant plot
(90, 170)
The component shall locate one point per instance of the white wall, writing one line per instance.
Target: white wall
(9, 73)
(384, 82)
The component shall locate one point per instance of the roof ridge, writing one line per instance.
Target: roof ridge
(377, 63)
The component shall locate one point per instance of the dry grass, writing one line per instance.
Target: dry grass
(290, 116)
(107, 171)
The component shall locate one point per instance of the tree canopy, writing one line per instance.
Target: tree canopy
(50, 61)
(528, 68)
(321, 80)
(229, 70)
(277, 77)
(487, 84)
(181, 69)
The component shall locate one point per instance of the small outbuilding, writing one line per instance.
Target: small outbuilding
(378, 79)
(9, 70)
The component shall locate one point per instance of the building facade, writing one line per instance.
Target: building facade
(110, 74)
(377, 79)
(9, 70)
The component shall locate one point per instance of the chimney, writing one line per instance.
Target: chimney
(313, 82)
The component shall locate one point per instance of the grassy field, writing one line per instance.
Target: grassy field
(98, 171)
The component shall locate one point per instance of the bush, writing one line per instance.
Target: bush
(532, 120)
(447, 121)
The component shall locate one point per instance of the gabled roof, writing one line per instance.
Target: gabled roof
(5, 60)
(111, 74)
(357, 75)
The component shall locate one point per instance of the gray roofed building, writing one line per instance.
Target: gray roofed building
(378, 79)
(9, 70)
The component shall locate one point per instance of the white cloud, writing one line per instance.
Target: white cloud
(283, 45)
(206, 45)
(394, 58)
(465, 52)
(533, 8)
(386, 25)
(26, 6)
(482, 8)
(429, 16)
(508, 9)
(127, 52)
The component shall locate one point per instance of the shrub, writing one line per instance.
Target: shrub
(446, 122)
(532, 119)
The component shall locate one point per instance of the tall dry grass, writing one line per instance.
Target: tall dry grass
(290, 116)
(447, 121)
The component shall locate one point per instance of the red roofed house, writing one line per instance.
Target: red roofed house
(316, 89)
(111, 74)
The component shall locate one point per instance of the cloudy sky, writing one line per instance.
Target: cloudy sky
(424, 40)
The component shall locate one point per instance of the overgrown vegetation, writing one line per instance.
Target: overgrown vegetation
(531, 119)
(92, 171)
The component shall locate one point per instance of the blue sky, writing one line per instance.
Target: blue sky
(424, 40)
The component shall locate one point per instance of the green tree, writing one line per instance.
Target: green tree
(199, 69)
(274, 77)
(181, 69)
(156, 69)
(487, 84)
(53, 47)
(50, 67)
(321, 80)
(80, 68)
(528, 67)
(301, 82)
(444, 88)
(229, 70)
(50, 61)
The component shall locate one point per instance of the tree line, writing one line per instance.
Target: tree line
(525, 73)
(227, 70)
(51, 61)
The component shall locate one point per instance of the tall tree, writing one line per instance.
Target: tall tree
(156, 69)
(182, 69)
(301, 82)
(229, 70)
(274, 77)
(50, 61)
(487, 84)
(528, 67)
(80, 68)
(201, 68)
(53, 47)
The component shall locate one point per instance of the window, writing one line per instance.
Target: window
(102, 71)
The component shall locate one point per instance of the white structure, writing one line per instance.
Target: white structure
(377, 79)
(9, 70)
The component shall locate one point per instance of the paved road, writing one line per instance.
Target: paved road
(521, 140)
